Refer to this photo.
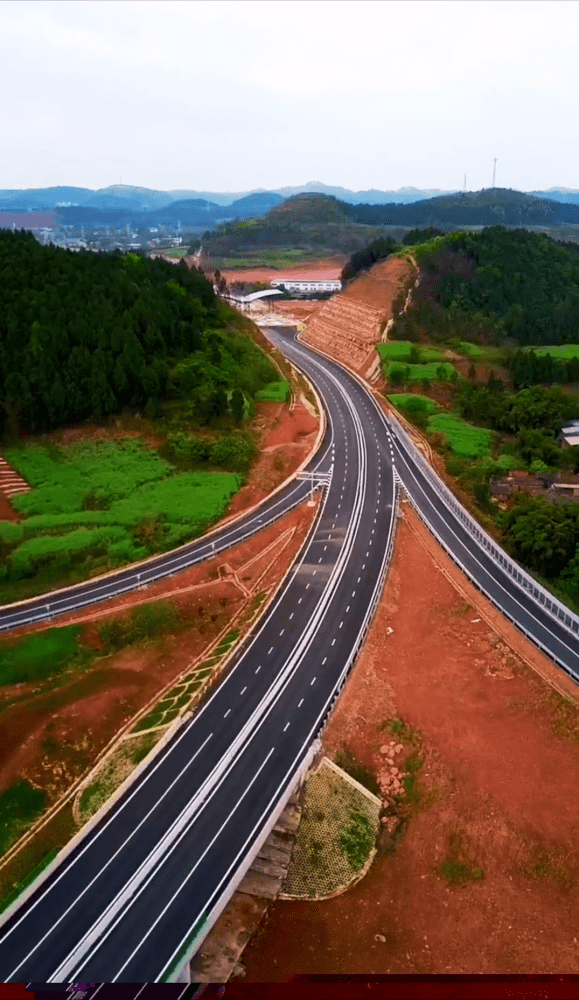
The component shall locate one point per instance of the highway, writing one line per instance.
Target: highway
(149, 878)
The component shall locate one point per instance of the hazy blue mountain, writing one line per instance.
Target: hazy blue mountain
(373, 196)
(569, 196)
(34, 199)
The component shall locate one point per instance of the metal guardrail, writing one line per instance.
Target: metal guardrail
(523, 579)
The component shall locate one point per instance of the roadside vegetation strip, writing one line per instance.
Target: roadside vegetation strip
(20, 806)
(274, 392)
(28, 879)
(336, 838)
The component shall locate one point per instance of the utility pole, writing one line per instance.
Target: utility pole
(494, 170)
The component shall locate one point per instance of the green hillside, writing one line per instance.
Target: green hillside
(499, 285)
(488, 207)
(84, 335)
(307, 222)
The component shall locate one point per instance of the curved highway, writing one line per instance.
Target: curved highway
(127, 904)
(128, 901)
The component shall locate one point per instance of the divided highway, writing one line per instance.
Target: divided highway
(133, 897)
(149, 879)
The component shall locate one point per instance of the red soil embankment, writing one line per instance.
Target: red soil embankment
(351, 323)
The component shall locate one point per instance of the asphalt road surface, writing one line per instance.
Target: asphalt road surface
(126, 904)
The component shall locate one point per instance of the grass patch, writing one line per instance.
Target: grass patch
(477, 352)
(401, 350)
(42, 654)
(20, 805)
(433, 371)
(462, 608)
(145, 622)
(23, 884)
(147, 744)
(402, 731)
(563, 352)
(274, 392)
(358, 839)
(462, 438)
(456, 868)
(348, 763)
(226, 642)
(410, 403)
(149, 721)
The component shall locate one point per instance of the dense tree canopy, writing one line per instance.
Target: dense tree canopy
(524, 280)
(84, 334)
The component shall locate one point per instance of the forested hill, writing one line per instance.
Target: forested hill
(473, 208)
(496, 284)
(85, 334)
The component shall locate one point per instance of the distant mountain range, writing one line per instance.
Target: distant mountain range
(124, 196)
(143, 208)
(322, 222)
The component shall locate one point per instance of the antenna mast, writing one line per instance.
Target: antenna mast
(494, 170)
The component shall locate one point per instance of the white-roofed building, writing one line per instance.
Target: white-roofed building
(569, 435)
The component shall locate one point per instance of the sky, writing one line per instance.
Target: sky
(237, 96)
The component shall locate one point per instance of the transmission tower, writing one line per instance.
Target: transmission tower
(494, 170)
(464, 188)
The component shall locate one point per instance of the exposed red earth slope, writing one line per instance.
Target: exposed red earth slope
(351, 323)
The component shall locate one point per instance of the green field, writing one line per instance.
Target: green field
(274, 392)
(477, 352)
(278, 259)
(462, 438)
(398, 372)
(40, 655)
(563, 352)
(173, 251)
(20, 805)
(99, 505)
(410, 402)
(399, 350)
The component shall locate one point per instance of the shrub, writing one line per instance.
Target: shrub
(41, 655)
